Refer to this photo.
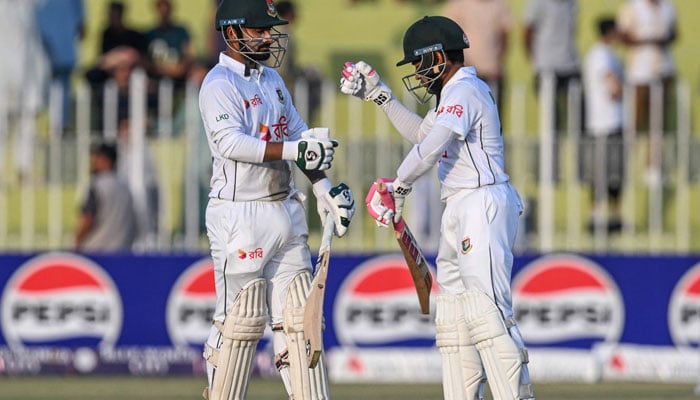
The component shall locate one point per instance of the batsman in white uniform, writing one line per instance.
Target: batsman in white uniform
(476, 333)
(255, 218)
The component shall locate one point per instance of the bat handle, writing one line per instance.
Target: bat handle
(328, 231)
(388, 201)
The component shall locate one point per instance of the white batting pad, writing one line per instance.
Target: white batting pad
(499, 354)
(242, 329)
(307, 383)
(461, 366)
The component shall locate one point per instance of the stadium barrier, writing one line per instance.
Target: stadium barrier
(584, 318)
(44, 171)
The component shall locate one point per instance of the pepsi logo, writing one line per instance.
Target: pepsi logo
(191, 304)
(377, 305)
(560, 298)
(60, 298)
(684, 309)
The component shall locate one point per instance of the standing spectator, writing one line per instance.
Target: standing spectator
(603, 81)
(475, 328)
(487, 24)
(118, 42)
(107, 221)
(550, 45)
(256, 220)
(170, 52)
(648, 28)
(62, 25)
(24, 71)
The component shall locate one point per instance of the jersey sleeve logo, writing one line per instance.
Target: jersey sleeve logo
(456, 109)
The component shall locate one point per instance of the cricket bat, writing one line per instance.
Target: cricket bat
(420, 272)
(313, 312)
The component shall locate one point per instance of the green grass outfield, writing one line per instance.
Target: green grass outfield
(175, 388)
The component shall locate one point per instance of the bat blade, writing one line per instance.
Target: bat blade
(313, 311)
(417, 265)
(420, 272)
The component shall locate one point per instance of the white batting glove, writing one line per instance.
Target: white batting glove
(361, 80)
(381, 213)
(401, 190)
(338, 201)
(309, 153)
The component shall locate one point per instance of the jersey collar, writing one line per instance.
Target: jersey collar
(464, 72)
(239, 68)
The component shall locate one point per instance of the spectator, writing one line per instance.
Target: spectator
(487, 24)
(107, 220)
(550, 45)
(170, 52)
(61, 25)
(603, 80)
(648, 28)
(23, 75)
(118, 42)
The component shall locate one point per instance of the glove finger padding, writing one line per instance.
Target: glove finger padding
(338, 201)
(379, 211)
(361, 80)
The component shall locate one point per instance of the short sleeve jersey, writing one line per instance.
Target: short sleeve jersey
(603, 111)
(257, 105)
(476, 157)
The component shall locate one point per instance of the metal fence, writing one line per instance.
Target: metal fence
(44, 171)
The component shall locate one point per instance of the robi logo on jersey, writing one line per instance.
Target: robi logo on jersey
(684, 309)
(377, 306)
(60, 298)
(191, 304)
(561, 298)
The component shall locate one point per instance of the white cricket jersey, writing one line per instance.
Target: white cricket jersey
(475, 157)
(240, 115)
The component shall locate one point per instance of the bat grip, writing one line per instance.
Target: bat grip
(388, 201)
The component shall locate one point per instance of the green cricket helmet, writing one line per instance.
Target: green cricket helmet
(246, 17)
(248, 13)
(422, 39)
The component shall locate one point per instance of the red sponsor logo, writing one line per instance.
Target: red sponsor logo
(255, 101)
(684, 309)
(191, 304)
(59, 296)
(280, 129)
(456, 109)
(377, 305)
(565, 297)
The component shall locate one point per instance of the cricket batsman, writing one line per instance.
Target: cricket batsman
(476, 333)
(255, 217)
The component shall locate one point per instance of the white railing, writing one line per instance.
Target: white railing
(38, 210)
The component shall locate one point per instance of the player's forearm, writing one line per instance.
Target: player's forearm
(240, 147)
(406, 122)
(425, 155)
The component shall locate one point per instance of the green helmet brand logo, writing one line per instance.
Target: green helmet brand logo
(271, 10)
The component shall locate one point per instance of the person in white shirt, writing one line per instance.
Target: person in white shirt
(256, 219)
(603, 83)
(648, 28)
(476, 331)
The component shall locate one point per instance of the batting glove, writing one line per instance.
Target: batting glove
(361, 80)
(310, 153)
(376, 208)
(338, 201)
(401, 190)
